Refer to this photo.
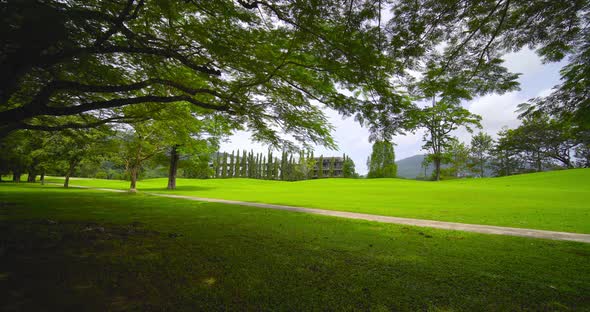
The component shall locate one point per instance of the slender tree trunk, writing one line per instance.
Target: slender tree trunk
(70, 172)
(67, 181)
(437, 169)
(42, 177)
(133, 174)
(173, 168)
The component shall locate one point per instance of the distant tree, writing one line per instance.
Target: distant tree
(230, 169)
(582, 153)
(142, 141)
(224, 166)
(237, 171)
(381, 163)
(481, 147)
(276, 169)
(217, 164)
(321, 167)
(562, 137)
(310, 164)
(348, 169)
(261, 166)
(244, 165)
(72, 146)
(197, 166)
(528, 139)
(282, 175)
(269, 166)
(251, 165)
(506, 159)
(258, 165)
(23, 151)
(440, 120)
(302, 169)
(458, 158)
(332, 163)
(424, 166)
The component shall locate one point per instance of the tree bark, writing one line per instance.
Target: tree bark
(42, 177)
(16, 176)
(437, 169)
(133, 176)
(32, 177)
(70, 172)
(174, 157)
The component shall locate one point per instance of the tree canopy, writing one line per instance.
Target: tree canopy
(259, 64)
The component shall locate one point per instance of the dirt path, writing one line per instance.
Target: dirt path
(477, 228)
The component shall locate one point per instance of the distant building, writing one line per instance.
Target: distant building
(327, 161)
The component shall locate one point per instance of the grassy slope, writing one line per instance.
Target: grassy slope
(169, 254)
(555, 200)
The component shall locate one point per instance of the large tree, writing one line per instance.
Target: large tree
(541, 141)
(260, 63)
(263, 61)
(174, 129)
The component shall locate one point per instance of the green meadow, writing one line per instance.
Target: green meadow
(557, 200)
(139, 252)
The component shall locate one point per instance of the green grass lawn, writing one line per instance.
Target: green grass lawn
(73, 249)
(558, 200)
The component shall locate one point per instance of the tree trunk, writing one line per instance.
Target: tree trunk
(173, 168)
(32, 177)
(70, 172)
(42, 177)
(67, 181)
(16, 176)
(133, 174)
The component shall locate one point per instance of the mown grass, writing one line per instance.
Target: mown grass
(558, 200)
(72, 249)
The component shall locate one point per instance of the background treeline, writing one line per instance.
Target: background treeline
(540, 143)
(100, 154)
(289, 167)
(141, 152)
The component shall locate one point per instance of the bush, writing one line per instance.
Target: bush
(101, 175)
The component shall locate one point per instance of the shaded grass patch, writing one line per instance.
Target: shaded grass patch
(169, 254)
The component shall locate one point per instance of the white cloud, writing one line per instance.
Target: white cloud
(524, 61)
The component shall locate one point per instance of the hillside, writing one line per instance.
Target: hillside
(411, 167)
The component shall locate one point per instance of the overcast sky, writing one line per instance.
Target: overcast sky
(497, 111)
